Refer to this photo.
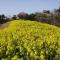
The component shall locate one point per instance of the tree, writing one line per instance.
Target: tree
(57, 16)
(22, 15)
(31, 16)
(57, 10)
(2, 18)
(14, 17)
(42, 17)
(46, 11)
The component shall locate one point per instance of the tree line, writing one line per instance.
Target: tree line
(45, 17)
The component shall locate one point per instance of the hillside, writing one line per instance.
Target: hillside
(29, 40)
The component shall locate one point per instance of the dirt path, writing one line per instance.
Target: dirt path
(2, 26)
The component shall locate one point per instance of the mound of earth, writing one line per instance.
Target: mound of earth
(29, 40)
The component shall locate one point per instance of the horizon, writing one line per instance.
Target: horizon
(13, 7)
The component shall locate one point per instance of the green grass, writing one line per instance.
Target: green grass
(29, 40)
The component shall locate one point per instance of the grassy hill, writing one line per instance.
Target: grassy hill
(29, 40)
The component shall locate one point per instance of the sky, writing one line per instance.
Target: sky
(11, 7)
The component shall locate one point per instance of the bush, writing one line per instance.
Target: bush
(29, 40)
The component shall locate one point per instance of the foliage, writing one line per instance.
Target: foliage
(22, 15)
(29, 40)
(2, 18)
(14, 17)
(46, 16)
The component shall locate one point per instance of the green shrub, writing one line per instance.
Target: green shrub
(29, 40)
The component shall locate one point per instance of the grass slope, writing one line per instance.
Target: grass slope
(29, 40)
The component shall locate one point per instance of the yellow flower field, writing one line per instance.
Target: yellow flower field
(29, 40)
